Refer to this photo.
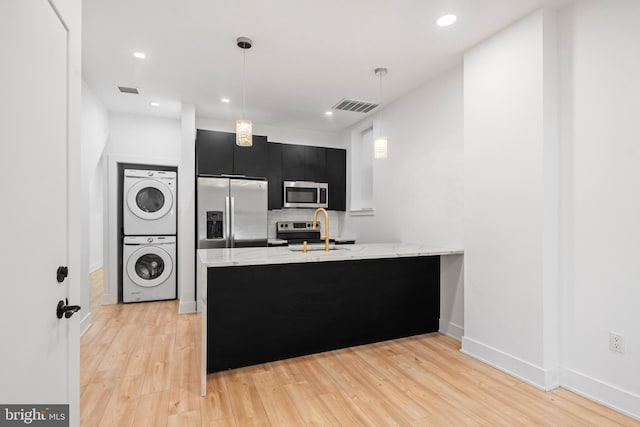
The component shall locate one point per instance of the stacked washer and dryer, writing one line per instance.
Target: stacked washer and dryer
(149, 209)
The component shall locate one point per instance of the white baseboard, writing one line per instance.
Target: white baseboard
(606, 394)
(94, 267)
(85, 323)
(108, 299)
(544, 379)
(187, 307)
(451, 329)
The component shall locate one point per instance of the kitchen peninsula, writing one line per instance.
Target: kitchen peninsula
(270, 303)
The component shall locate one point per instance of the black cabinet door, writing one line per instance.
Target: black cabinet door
(337, 178)
(315, 162)
(274, 174)
(262, 313)
(214, 152)
(293, 162)
(251, 161)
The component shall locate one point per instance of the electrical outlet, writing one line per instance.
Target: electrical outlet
(616, 342)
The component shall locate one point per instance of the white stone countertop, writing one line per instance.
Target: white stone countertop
(285, 255)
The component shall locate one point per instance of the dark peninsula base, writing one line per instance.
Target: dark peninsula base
(258, 314)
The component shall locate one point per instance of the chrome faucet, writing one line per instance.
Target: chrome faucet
(326, 226)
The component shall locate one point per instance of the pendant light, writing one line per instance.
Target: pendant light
(244, 128)
(380, 143)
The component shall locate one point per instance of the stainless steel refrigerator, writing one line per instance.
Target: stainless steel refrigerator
(232, 212)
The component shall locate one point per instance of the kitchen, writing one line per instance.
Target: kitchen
(540, 297)
(437, 167)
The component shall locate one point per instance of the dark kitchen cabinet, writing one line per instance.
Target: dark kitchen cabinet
(250, 161)
(217, 154)
(315, 164)
(336, 173)
(303, 163)
(308, 163)
(262, 313)
(274, 175)
(292, 162)
(214, 152)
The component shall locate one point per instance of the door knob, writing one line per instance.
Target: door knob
(66, 310)
(62, 273)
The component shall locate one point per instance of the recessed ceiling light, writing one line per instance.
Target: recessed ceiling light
(446, 20)
(225, 100)
(154, 104)
(139, 55)
(328, 113)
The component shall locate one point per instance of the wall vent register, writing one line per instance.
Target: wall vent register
(354, 106)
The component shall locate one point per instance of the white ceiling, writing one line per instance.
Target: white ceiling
(307, 55)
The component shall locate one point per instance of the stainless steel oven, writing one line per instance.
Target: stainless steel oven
(305, 194)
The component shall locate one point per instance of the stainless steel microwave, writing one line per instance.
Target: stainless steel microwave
(305, 194)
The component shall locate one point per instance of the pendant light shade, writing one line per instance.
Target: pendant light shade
(380, 147)
(244, 127)
(244, 133)
(380, 143)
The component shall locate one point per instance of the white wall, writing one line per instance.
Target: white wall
(94, 135)
(187, 210)
(601, 158)
(511, 205)
(144, 137)
(418, 189)
(577, 204)
(95, 131)
(96, 222)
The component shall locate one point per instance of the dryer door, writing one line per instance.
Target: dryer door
(149, 266)
(150, 199)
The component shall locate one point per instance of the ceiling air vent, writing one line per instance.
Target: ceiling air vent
(131, 90)
(355, 106)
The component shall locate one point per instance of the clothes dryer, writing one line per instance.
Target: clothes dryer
(148, 268)
(149, 205)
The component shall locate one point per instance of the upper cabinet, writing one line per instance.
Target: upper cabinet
(304, 163)
(293, 162)
(214, 152)
(336, 170)
(274, 175)
(318, 164)
(315, 164)
(217, 154)
(251, 161)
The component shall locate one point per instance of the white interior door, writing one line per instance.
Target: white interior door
(33, 192)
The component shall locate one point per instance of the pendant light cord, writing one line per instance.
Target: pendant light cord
(380, 104)
(244, 83)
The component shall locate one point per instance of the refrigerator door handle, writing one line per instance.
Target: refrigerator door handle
(227, 221)
(233, 219)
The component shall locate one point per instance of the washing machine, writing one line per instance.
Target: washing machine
(148, 268)
(149, 205)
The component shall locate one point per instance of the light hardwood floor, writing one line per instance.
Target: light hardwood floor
(139, 367)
